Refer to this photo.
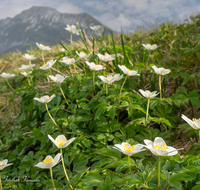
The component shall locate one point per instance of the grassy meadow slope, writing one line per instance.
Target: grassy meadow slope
(101, 115)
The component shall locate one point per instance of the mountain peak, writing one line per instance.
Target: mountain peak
(43, 25)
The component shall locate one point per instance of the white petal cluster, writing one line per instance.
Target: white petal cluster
(29, 57)
(110, 79)
(95, 67)
(72, 29)
(148, 94)
(49, 162)
(150, 47)
(7, 75)
(26, 74)
(106, 57)
(97, 27)
(68, 61)
(45, 99)
(128, 149)
(82, 54)
(48, 65)
(159, 147)
(26, 67)
(4, 164)
(161, 70)
(43, 47)
(61, 141)
(118, 77)
(194, 124)
(57, 78)
(128, 71)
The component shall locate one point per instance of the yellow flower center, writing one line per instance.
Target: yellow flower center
(129, 69)
(61, 142)
(69, 60)
(129, 148)
(48, 160)
(1, 163)
(194, 119)
(42, 46)
(45, 65)
(107, 78)
(160, 146)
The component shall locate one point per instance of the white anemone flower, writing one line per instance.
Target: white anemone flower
(72, 29)
(62, 49)
(43, 47)
(108, 80)
(7, 75)
(26, 67)
(129, 149)
(95, 67)
(45, 99)
(68, 61)
(61, 141)
(29, 57)
(148, 94)
(48, 65)
(49, 162)
(161, 70)
(150, 47)
(82, 54)
(195, 124)
(26, 74)
(127, 71)
(106, 57)
(4, 164)
(57, 78)
(159, 147)
(97, 27)
(118, 77)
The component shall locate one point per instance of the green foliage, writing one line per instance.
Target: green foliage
(99, 120)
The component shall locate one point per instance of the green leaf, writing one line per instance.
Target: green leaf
(111, 112)
(99, 112)
(93, 179)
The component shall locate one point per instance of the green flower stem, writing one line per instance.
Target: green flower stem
(160, 87)
(9, 84)
(199, 134)
(71, 38)
(94, 81)
(159, 172)
(122, 88)
(63, 94)
(29, 81)
(64, 169)
(70, 69)
(147, 109)
(147, 65)
(43, 58)
(106, 89)
(52, 179)
(51, 116)
(129, 165)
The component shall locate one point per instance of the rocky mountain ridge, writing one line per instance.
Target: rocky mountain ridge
(43, 25)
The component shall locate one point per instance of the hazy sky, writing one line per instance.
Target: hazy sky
(113, 13)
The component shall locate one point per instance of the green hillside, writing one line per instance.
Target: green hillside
(117, 134)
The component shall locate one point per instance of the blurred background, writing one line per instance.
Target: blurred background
(24, 22)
